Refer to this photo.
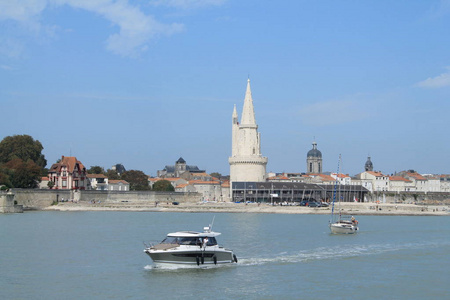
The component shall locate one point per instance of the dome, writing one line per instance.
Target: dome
(368, 166)
(314, 152)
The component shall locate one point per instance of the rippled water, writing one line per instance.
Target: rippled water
(99, 255)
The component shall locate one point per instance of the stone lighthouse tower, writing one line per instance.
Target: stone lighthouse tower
(246, 161)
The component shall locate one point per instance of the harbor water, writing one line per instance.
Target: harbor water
(99, 255)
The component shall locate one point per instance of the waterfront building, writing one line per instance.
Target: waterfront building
(314, 160)
(118, 185)
(400, 184)
(69, 173)
(380, 182)
(246, 161)
(97, 182)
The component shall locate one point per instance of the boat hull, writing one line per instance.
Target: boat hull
(343, 228)
(192, 257)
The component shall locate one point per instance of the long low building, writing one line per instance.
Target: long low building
(289, 192)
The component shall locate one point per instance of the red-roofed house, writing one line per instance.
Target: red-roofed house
(400, 184)
(97, 182)
(118, 185)
(380, 182)
(68, 174)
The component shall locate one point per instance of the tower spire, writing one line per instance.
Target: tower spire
(248, 112)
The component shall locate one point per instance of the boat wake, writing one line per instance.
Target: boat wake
(172, 267)
(338, 252)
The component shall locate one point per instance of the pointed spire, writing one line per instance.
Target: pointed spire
(235, 115)
(248, 113)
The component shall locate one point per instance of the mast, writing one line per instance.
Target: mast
(335, 188)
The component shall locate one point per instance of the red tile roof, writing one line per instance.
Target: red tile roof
(118, 181)
(398, 178)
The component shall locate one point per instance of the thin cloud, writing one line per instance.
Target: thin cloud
(136, 28)
(5, 67)
(440, 81)
(332, 112)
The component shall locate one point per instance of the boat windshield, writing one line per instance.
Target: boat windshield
(192, 241)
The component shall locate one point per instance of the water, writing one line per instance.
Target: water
(99, 255)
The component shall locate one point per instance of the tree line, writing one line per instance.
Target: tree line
(22, 165)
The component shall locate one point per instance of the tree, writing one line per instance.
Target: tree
(23, 174)
(96, 170)
(216, 174)
(50, 184)
(23, 147)
(21, 161)
(111, 174)
(137, 179)
(163, 185)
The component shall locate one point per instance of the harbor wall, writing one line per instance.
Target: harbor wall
(38, 199)
(7, 204)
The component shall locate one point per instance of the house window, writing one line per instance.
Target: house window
(76, 183)
(64, 183)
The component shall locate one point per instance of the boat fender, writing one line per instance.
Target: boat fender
(197, 260)
(203, 260)
(215, 259)
(235, 258)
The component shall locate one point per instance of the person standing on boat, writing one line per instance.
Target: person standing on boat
(205, 242)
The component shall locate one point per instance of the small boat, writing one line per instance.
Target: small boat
(191, 248)
(341, 225)
(344, 226)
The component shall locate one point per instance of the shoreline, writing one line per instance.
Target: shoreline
(356, 209)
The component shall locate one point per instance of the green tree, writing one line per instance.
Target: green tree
(50, 184)
(163, 185)
(216, 174)
(96, 170)
(137, 179)
(23, 174)
(111, 174)
(23, 147)
(21, 161)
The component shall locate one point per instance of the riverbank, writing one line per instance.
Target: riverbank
(229, 207)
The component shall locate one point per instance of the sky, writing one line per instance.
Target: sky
(143, 83)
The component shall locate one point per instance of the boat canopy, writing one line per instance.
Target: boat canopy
(193, 234)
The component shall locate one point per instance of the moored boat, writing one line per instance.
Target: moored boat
(191, 248)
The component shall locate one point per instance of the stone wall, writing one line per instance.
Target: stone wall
(410, 197)
(7, 204)
(38, 199)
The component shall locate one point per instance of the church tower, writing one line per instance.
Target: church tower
(314, 160)
(246, 161)
(369, 165)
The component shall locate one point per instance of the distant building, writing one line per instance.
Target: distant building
(314, 160)
(44, 183)
(178, 169)
(68, 174)
(119, 168)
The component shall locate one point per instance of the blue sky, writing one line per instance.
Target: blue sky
(144, 82)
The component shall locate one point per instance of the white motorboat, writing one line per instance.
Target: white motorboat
(191, 248)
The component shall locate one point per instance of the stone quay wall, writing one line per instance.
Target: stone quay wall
(38, 199)
(7, 204)
(410, 197)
